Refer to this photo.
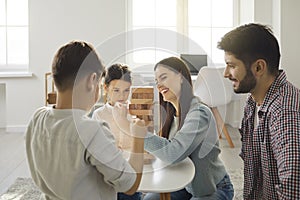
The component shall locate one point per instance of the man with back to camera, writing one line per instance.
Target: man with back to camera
(71, 156)
(270, 129)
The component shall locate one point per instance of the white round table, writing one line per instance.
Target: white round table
(163, 178)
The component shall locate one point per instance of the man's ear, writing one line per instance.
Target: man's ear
(91, 81)
(260, 67)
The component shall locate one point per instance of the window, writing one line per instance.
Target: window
(172, 27)
(208, 21)
(14, 35)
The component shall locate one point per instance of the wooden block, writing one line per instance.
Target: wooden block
(142, 90)
(141, 112)
(141, 101)
(51, 98)
(140, 106)
(142, 96)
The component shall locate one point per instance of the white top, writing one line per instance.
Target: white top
(123, 141)
(73, 157)
(256, 120)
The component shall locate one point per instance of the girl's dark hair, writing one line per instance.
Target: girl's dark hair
(74, 61)
(117, 71)
(251, 42)
(167, 110)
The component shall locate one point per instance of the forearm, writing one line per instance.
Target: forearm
(287, 154)
(289, 172)
(170, 151)
(186, 140)
(124, 125)
(136, 159)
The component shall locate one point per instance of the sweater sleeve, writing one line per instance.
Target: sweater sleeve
(198, 129)
(102, 153)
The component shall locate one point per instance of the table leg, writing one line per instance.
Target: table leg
(165, 196)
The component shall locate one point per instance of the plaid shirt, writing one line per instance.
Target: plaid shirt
(271, 151)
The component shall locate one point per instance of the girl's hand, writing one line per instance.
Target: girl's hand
(119, 112)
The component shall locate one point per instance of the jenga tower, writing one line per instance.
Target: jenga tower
(141, 104)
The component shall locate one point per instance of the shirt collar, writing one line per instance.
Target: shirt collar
(109, 106)
(270, 96)
(273, 90)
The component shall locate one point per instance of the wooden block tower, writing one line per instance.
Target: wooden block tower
(141, 104)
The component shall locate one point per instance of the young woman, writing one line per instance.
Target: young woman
(189, 130)
(117, 82)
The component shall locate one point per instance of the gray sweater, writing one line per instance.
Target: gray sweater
(198, 140)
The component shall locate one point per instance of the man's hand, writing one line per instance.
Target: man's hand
(138, 128)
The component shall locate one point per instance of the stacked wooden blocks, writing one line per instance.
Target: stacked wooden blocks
(141, 104)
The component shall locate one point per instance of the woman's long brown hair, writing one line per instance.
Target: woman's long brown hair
(167, 110)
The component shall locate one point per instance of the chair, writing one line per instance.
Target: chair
(50, 97)
(214, 90)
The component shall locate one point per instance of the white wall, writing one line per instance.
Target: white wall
(246, 11)
(283, 17)
(53, 23)
(290, 39)
(2, 106)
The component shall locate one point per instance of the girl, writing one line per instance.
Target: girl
(117, 82)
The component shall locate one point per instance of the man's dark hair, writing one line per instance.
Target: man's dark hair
(251, 42)
(74, 61)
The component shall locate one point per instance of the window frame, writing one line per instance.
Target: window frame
(14, 67)
(181, 27)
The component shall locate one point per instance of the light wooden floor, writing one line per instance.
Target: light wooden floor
(230, 156)
(13, 161)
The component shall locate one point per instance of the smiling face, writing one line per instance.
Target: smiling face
(168, 83)
(117, 91)
(243, 80)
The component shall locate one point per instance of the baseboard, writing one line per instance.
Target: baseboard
(14, 129)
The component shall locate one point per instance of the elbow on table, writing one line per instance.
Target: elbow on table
(135, 186)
